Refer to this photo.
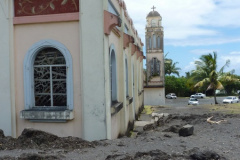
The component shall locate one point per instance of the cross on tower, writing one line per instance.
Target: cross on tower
(153, 8)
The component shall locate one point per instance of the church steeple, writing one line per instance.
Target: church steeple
(154, 19)
(154, 31)
(154, 44)
(154, 89)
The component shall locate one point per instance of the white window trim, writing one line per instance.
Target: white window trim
(29, 97)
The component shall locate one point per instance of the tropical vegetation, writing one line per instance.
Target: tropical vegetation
(170, 66)
(205, 78)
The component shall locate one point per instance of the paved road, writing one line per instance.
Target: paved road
(183, 101)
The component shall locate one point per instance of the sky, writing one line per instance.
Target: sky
(193, 28)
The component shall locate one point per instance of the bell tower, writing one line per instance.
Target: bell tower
(154, 57)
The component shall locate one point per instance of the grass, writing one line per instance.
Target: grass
(225, 108)
(147, 110)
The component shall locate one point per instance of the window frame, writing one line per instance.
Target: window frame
(28, 70)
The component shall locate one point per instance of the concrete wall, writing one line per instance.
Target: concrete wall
(154, 96)
(93, 69)
(6, 109)
(66, 33)
(120, 121)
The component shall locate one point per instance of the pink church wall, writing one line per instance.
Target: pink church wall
(66, 33)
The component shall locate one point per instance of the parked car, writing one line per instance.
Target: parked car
(171, 96)
(193, 101)
(231, 99)
(198, 95)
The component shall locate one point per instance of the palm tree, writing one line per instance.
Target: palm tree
(170, 67)
(206, 73)
(230, 81)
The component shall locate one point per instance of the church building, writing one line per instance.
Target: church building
(69, 67)
(154, 90)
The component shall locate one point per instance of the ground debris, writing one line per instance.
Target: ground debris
(149, 127)
(206, 155)
(173, 128)
(36, 139)
(31, 156)
(154, 154)
(1, 134)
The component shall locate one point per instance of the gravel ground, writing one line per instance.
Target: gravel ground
(152, 142)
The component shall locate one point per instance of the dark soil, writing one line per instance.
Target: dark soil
(159, 141)
(36, 139)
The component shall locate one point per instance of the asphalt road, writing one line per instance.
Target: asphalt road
(183, 101)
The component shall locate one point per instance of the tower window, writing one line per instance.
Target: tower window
(150, 43)
(159, 42)
(154, 41)
(155, 67)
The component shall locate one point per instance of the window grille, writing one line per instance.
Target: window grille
(50, 72)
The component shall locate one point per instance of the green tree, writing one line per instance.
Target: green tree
(206, 73)
(178, 85)
(170, 67)
(230, 82)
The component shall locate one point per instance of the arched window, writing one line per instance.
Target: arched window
(150, 43)
(126, 76)
(133, 86)
(113, 76)
(159, 42)
(155, 67)
(48, 82)
(154, 41)
(50, 75)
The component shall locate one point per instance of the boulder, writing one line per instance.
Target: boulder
(186, 130)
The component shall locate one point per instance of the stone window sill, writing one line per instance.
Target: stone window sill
(47, 116)
(116, 108)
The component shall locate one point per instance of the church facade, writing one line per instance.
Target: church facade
(154, 90)
(69, 67)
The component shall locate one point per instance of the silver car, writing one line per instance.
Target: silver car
(198, 95)
(171, 96)
(193, 101)
(231, 99)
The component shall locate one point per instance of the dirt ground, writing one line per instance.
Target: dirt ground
(159, 141)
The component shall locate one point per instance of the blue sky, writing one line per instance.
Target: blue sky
(193, 28)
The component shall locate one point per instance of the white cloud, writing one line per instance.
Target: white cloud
(235, 53)
(202, 51)
(189, 67)
(202, 41)
(226, 14)
(234, 62)
(189, 22)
